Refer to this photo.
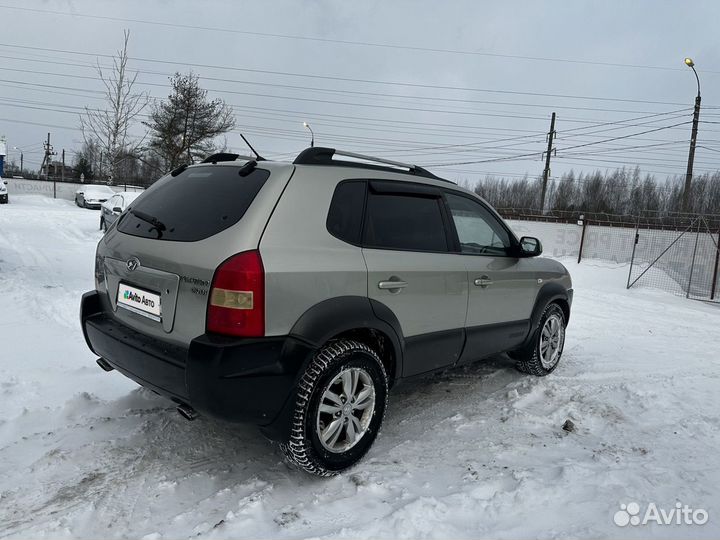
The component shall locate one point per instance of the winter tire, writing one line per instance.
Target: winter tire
(543, 355)
(339, 407)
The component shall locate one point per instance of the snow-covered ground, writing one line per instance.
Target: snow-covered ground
(471, 453)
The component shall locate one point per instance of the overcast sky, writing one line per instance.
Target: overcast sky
(435, 83)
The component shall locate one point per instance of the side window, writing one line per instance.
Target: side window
(344, 219)
(478, 230)
(405, 222)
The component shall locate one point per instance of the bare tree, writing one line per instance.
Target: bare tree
(110, 126)
(186, 126)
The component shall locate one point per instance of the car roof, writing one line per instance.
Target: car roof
(342, 170)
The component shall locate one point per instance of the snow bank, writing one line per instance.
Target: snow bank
(470, 453)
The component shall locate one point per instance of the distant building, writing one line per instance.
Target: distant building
(55, 171)
(3, 153)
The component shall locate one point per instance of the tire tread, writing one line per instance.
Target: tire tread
(297, 448)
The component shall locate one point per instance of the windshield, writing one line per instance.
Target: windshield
(196, 204)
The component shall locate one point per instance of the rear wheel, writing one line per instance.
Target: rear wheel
(542, 356)
(339, 408)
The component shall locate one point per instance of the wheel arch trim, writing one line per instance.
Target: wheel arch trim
(335, 316)
(549, 293)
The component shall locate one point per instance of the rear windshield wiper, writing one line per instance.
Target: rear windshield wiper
(147, 218)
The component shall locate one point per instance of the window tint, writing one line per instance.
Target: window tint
(196, 204)
(478, 230)
(344, 219)
(404, 222)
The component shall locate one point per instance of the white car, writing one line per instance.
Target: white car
(3, 191)
(92, 196)
(111, 209)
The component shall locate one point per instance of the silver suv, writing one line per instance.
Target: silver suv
(294, 295)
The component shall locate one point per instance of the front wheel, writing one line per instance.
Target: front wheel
(339, 407)
(542, 356)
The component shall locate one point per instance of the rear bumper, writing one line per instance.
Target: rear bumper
(239, 380)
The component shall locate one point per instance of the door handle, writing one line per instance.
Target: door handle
(483, 282)
(392, 284)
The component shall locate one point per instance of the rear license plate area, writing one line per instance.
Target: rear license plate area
(139, 301)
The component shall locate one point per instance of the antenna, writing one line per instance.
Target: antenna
(258, 156)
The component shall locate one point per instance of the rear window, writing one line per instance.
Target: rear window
(196, 204)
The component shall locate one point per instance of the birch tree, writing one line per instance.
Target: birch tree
(109, 126)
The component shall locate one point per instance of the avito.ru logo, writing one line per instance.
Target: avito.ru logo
(629, 514)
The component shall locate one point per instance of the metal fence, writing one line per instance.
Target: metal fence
(683, 260)
(675, 252)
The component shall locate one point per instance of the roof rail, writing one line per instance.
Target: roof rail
(324, 156)
(224, 156)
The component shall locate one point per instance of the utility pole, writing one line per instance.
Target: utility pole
(546, 172)
(46, 159)
(62, 171)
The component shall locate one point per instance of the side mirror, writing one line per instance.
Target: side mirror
(530, 246)
(117, 210)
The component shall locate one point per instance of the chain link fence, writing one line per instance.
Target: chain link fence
(674, 252)
(682, 260)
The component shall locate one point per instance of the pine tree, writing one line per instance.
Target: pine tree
(184, 127)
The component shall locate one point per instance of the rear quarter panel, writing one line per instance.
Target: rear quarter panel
(305, 264)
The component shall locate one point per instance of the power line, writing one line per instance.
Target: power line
(625, 136)
(340, 91)
(345, 42)
(570, 130)
(185, 64)
(629, 162)
(314, 100)
(568, 148)
(624, 148)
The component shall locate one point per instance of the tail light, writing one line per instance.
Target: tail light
(237, 297)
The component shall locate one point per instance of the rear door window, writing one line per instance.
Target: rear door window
(196, 204)
(404, 222)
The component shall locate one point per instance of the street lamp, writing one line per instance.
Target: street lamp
(312, 135)
(693, 139)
